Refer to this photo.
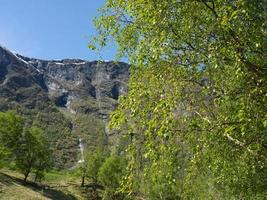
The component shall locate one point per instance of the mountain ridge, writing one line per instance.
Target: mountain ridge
(92, 78)
(53, 93)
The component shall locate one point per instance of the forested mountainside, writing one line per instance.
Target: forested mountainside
(69, 99)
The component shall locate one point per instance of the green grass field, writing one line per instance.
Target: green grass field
(56, 186)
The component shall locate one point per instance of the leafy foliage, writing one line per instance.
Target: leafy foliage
(32, 152)
(197, 96)
(27, 147)
(93, 161)
(92, 130)
(58, 132)
(110, 175)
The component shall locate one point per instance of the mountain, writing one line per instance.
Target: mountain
(68, 98)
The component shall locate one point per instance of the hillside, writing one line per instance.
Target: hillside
(59, 95)
(57, 187)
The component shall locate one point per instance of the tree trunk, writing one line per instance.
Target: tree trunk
(36, 177)
(26, 176)
(82, 184)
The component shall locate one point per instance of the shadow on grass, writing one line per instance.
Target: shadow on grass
(44, 190)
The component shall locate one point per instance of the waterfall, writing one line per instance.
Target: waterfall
(80, 144)
(81, 147)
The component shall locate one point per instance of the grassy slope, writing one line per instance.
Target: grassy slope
(57, 186)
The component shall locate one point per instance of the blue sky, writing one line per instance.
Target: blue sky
(50, 29)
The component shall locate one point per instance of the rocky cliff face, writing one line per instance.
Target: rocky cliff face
(62, 81)
(18, 80)
(52, 86)
(72, 80)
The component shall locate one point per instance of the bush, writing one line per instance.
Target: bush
(110, 174)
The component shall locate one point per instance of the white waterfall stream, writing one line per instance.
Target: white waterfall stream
(81, 147)
(80, 141)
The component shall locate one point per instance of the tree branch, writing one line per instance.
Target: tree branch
(212, 9)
